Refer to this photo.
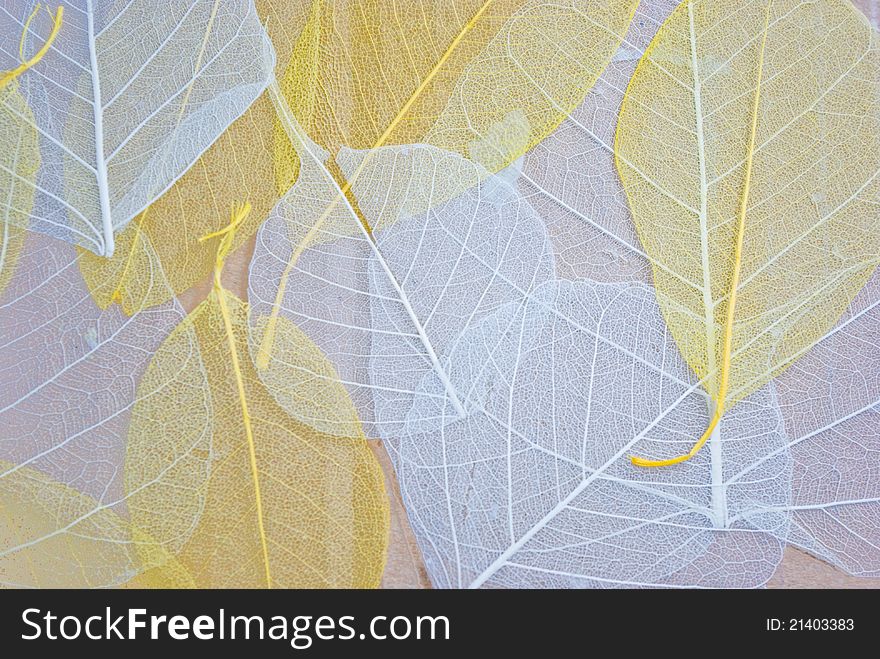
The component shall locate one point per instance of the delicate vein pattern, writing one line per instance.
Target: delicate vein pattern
(239, 165)
(811, 234)
(99, 545)
(287, 506)
(126, 99)
(549, 55)
(427, 289)
(571, 181)
(534, 489)
(70, 374)
(830, 400)
(383, 308)
(487, 79)
(521, 106)
(18, 170)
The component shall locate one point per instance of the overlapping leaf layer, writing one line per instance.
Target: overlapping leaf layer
(521, 243)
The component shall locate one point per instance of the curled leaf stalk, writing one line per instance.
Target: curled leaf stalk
(26, 63)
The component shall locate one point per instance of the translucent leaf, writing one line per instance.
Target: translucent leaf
(499, 431)
(830, 400)
(70, 375)
(239, 165)
(571, 179)
(11, 240)
(534, 488)
(487, 80)
(18, 169)
(287, 506)
(524, 45)
(163, 570)
(527, 480)
(755, 124)
(126, 99)
(96, 547)
(475, 251)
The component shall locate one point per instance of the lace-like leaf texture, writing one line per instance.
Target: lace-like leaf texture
(95, 551)
(486, 79)
(773, 111)
(361, 73)
(128, 455)
(511, 400)
(286, 506)
(125, 100)
(18, 169)
(239, 165)
(442, 96)
(70, 374)
(167, 457)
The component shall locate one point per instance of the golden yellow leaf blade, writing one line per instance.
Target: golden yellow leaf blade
(73, 373)
(484, 78)
(529, 77)
(359, 62)
(55, 536)
(162, 569)
(302, 378)
(18, 170)
(287, 506)
(810, 230)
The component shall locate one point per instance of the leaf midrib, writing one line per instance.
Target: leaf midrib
(98, 114)
(291, 126)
